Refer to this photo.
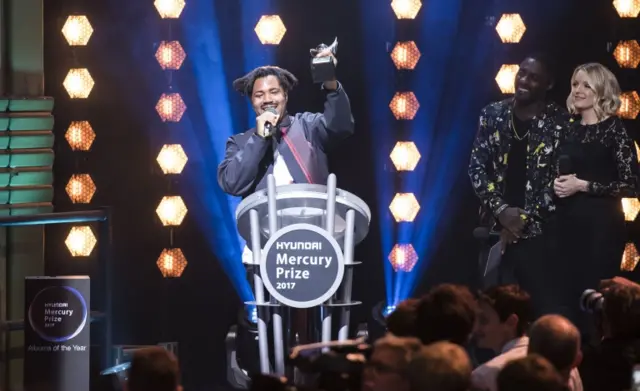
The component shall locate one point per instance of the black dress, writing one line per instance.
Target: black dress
(591, 231)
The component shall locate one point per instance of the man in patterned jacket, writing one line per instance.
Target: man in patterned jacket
(512, 172)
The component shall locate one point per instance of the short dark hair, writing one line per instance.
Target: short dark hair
(621, 310)
(402, 321)
(244, 85)
(154, 369)
(446, 313)
(507, 300)
(555, 338)
(530, 373)
(547, 61)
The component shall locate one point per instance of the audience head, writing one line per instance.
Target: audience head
(402, 321)
(446, 313)
(594, 87)
(534, 78)
(505, 313)
(621, 311)
(530, 373)
(154, 369)
(441, 366)
(387, 368)
(555, 338)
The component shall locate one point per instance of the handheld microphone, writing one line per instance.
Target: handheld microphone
(268, 126)
(564, 165)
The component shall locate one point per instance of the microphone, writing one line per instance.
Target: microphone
(564, 165)
(268, 126)
(481, 233)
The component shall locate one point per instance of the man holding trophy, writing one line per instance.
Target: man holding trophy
(291, 147)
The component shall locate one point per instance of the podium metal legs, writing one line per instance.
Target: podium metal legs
(347, 281)
(263, 340)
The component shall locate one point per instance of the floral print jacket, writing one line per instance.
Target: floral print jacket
(490, 154)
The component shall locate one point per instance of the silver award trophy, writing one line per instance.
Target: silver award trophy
(323, 68)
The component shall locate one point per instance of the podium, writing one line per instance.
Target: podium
(302, 238)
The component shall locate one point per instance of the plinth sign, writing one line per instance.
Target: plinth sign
(302, 266)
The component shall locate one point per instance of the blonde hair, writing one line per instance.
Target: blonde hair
(605, 87)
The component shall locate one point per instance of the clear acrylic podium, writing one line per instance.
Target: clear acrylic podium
(324, 214)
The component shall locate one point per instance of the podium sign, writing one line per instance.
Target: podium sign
(57, 333)
(302, 266)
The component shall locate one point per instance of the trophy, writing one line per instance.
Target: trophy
(323, 68)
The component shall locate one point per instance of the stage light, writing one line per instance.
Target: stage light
(171, 262)
(172, 159)
(169, 9)
(406, 9)
(403, 257)
(405, 55)
(405, 156)
(404, 207)
(78, 83)
(627, 8)
(170, 55)
(270, 29)
(81, 241)
(630, 258)
(80, 135)
(631, 207)
(171, 210)
(404, 105)
(81, 188)
(506, 78)
(77, 30)
(511, 28)
(627, 54)
(171, 107)
(629, 105)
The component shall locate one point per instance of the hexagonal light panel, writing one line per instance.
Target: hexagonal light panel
(629, 105)
(627, 54)
(171, 210)
(172, 159)
(406, 9)
(171, 107)
(627, 8)
(80, 135)
(170, 55)
(81, 241)
(404, 105)
(403, 257)
(511, 28)
(78, 83)
(405, 55)
(630, 258)
(404, 207)
(169, 9)
(270, 29)
(81, 188)
(171, 262)
(631, 207)
(506, 78)
(405, 156)
(77, 30)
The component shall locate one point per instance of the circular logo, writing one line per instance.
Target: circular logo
(302, 266)
(58, 313)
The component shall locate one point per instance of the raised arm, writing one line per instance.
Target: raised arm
(238, 171)
(480, 167)
(335, 123)
(627, 163)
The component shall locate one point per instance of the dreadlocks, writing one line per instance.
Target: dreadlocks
(244, 85)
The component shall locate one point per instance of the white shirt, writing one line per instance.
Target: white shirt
(486, 375)
(283, 177)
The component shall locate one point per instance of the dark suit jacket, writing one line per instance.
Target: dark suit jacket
(302, 140)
